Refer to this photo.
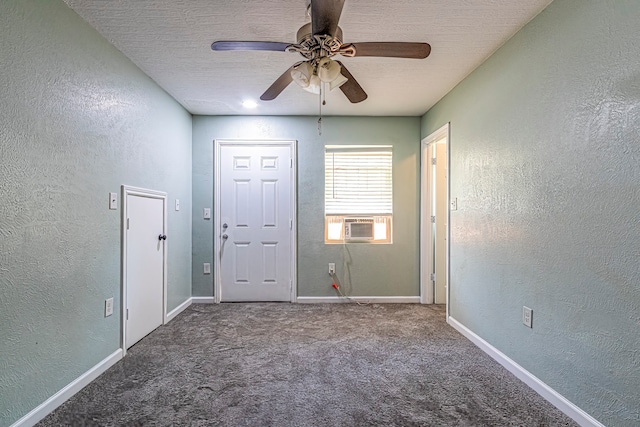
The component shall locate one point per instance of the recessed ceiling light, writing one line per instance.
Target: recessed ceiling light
(249, 104)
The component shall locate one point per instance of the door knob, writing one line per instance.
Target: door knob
(225, 237)
(162, 237)
(225, 225)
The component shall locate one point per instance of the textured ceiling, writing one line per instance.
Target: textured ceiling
(170, 41)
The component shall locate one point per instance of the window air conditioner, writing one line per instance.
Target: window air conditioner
(358, 229)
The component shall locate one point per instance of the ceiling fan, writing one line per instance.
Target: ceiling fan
(318, 42)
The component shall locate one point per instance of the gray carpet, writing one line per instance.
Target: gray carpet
(307, 365)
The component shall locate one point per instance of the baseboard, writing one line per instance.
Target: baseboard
(67, 392)
(374, 300)
(549, 394)
(179, 309)
(203, 300)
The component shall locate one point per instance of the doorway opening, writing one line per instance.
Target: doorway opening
(434, 218)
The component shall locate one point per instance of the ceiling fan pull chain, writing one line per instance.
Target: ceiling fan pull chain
(323, 92)
(320, 110)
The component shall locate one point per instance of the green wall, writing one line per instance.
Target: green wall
(545, 163)
(78, 119)
(376, 270)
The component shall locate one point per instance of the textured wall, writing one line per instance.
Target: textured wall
(377, 270)
(545, 163)
(77, 121)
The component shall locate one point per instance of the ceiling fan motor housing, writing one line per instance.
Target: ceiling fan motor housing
(309, 41)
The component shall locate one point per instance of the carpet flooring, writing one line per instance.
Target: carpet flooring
(270, 364)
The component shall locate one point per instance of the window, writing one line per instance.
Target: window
(358, 193)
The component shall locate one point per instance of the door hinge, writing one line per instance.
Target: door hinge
(433, 219)
(432, 277)
(127, 314)
(291, 163)
(433, 161)
(127, 223)
(290, 224)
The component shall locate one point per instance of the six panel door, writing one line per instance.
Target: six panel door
(256, 207)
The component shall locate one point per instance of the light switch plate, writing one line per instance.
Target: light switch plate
(108, 307)
(113, 201)
(527, 316)
(207, 268)
(207, 213)
(454, 204)
(177, 204)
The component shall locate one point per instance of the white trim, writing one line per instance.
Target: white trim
(448, 242)
(49, 405)
(179, 309)
(549, 394)
(203, 300)
(217, 145)
(373, 300)
(140, 192)
(426, 252)
(294, 220)
(217, 277)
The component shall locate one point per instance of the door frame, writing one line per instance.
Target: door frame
(128, 190)
(217, 228)
(426, 207)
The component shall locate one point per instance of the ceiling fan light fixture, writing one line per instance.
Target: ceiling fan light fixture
(328, 70)
(301, 74)
(314, 84)
(337, 82)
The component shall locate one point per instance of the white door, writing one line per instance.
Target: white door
(256, 213)
(144, 266)
(440, 226)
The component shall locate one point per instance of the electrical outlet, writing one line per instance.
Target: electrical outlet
(207, 268)
(527, 316)
(108, 307)
(332, 268)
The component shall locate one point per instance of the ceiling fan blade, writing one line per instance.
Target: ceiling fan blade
(325, 15)
(393, 49)
(351, 88)
(233, 45)
(278, 86)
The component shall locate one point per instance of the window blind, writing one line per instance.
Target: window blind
(358, 181)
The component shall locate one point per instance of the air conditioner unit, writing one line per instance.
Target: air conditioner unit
(358, 229)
